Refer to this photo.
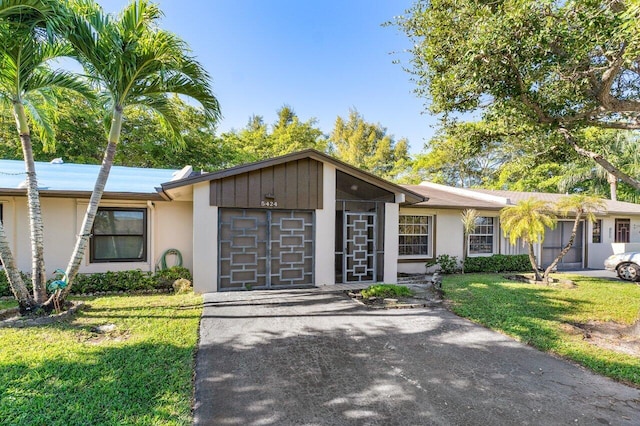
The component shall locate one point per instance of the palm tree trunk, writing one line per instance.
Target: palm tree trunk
(18, 288)
(565, 250)
(534, 264)
(92, 208)
(38, 274)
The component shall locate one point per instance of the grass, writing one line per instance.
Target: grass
(141, 373)
(387, 290)
(9, 303)
(535, 314)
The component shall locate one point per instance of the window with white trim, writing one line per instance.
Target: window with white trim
(415, 235)
(481, 240)
(119, 235)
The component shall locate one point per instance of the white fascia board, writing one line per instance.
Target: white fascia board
(466, 193)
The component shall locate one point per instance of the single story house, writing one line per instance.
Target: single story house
(300, 219)
(616, 230)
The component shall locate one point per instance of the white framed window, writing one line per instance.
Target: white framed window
(415, 236)
(482, 239)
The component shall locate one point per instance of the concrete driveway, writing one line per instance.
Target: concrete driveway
(311, 358)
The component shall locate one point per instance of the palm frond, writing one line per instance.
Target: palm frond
(40, 110)
(60, 79)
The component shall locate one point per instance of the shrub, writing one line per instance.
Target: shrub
(166, 277)
(448, 264)
(5, 289)
(498, 263)
(113, 281)
(387, 290)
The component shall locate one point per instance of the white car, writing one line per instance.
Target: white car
(626, 265)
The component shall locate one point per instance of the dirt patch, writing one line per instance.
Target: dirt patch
(607, 335)
(553, 282)
(112, 336)
(424, 295)
(11, 318)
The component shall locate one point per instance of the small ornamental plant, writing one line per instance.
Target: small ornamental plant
(387, 290)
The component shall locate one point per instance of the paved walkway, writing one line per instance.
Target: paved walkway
(307, 357)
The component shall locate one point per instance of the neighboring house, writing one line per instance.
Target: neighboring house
(615, 231)
(295, 220)
(133, 227)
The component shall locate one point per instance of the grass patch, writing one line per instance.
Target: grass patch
(537, 315)
(140, 373)
(387, 290)
(6, 304)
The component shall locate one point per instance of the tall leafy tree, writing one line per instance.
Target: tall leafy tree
(27, 84)
(259, 140)
(527, 221)
(556, 66)
(132, 62)
(369, 147)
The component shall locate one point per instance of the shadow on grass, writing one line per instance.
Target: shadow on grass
(307, 362)
(142, 383)
(527, 311)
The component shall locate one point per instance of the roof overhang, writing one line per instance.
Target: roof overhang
(409, 196)
(85, 194)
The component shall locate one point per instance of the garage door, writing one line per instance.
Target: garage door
(265, 248)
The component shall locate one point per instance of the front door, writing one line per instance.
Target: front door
(359, 264)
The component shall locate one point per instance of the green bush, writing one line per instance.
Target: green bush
(5, 290)
(498, 263)
(387, 290)
(113, 281)
(448, 264)
(132, 280)
(166, 277)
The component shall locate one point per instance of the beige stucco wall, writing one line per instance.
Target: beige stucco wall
(205, 237)
(391, 213)
(598, 252)
(169, 225)
(448, 236)
(325, 238)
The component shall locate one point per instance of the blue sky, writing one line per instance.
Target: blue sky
(321, 57)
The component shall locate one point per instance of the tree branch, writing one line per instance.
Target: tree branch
(524, 94)
(599, 159)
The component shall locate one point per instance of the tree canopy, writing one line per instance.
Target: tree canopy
(548, 67)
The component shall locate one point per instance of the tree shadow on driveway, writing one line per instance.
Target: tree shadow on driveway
(322, 359)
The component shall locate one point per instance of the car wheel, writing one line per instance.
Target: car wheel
(629, 272)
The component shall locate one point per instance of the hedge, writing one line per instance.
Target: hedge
(133, 280)
(498, 263)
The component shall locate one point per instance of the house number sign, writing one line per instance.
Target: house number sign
(268, 203)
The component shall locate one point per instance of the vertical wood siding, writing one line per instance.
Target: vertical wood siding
(294, 185)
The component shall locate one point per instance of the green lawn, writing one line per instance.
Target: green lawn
(535, 314)
(141, 373)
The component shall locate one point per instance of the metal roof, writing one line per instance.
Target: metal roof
(80, 178)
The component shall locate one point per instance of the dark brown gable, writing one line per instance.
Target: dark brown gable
(292, 185)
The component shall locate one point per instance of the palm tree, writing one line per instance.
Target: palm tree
(132, 62)
(27, 29)
(582, 206)
(468, 219)
(527, 220)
